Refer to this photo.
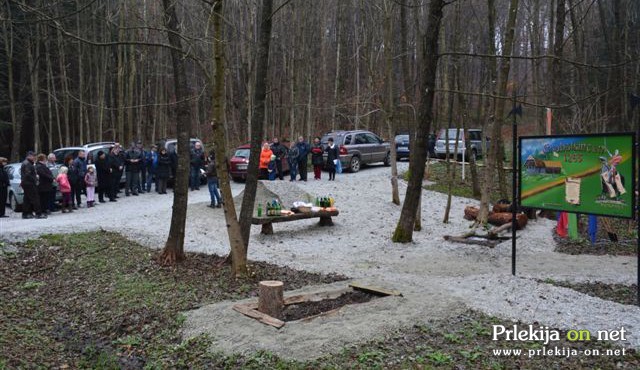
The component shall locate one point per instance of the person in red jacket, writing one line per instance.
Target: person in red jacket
(316, 158)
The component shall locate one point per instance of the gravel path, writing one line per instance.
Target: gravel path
(429, 270)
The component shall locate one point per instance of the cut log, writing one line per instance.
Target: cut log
(502, 207)
(499, 219)
(471, 213)
(271, 297)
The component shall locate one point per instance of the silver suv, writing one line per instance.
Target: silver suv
(475, 141)
(358, 147)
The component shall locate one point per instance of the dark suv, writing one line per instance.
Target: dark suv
(359, 147)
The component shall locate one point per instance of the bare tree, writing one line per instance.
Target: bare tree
(257, 123)
(174, 247)
(404, 229)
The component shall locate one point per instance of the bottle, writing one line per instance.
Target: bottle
(259, 209)
(278, 208)
(268, 209)
(317, 201)
(331, 201)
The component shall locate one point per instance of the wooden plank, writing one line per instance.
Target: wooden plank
(301, 298)
(296, 216)
(375, 290)
(255, 314)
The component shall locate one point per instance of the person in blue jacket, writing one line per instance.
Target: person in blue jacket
(151, 162)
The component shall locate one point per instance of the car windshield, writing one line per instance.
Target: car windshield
(401, 138)
(452, 134)
(242, 153)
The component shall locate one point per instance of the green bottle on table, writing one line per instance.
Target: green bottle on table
(259, 209)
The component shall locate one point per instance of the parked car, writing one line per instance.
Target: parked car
(172, 147)
(91, 149)
(403, 146)
(172, 144)
(358, 148)
(475, 141)
(239, 163)
(15, 194)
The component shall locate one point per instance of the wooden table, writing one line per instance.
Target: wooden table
(267, 221)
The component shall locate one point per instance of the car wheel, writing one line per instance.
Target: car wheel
(354, 164)
(387, 159)
(14, 203)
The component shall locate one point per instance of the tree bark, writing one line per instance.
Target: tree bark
(498, 116)
(390, 108)
(174, 247)
(404, 229)
(236, 242)
(9, 49)
(257, 122)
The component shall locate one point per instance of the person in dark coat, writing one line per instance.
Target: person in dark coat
(163, 171)
(316, 158)
(280, 151)
(103, 173)
(29, 181)
(79, 167)
(332, 156)
(303, 151)
(4, 185)
(196, 162)
(116, 164)
(72, 175)
(133, 161)
(45, 183)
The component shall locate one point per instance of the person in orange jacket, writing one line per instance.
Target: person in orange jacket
(265, 158)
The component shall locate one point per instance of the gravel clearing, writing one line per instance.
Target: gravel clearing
(436, 277)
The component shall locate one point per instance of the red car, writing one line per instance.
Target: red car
(239, 163)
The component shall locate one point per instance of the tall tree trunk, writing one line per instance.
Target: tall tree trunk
(8, 48)
(390, 108)
(238, 256)
(174, 248)
(121, 50)
(498, 116)
(257, 125)
(404, 229)
(33, 60)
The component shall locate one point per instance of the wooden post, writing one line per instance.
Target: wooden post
(267, 229)
(271, 297)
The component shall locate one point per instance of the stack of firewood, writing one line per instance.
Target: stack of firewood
(500, 215)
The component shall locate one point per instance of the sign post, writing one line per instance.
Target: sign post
(514, 185)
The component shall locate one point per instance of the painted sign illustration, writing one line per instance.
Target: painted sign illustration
(590, 174)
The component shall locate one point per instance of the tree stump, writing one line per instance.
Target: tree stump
(271, 297)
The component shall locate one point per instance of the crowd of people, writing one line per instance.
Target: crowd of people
(272, 156)
(101, 177)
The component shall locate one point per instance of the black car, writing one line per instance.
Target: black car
(403, 146)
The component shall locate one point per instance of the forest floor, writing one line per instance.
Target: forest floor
(458, 286)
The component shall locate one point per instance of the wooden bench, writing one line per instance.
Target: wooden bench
(267, 221)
